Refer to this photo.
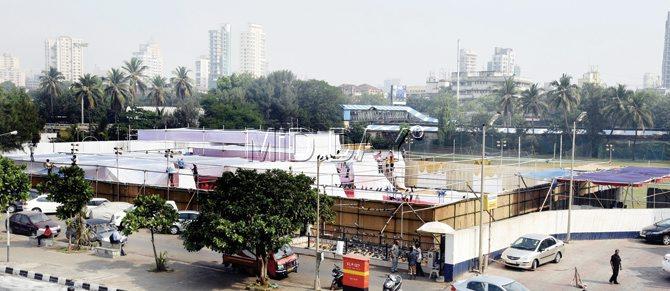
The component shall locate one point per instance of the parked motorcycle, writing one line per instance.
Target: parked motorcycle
(338, 275)
(393, 282)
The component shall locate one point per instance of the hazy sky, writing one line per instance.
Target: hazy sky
(357, 41)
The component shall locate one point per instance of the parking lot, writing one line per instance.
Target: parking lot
(641, 263)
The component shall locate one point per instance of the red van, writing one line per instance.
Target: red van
(281, 263)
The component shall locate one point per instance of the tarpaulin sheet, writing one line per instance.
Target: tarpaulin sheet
(546, 175)
(628, 176)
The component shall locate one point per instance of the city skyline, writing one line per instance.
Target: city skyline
(380, 43)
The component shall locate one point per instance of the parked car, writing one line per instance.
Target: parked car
(185, 217)
(532, 250)
(17, 206)
(490, 283)
(95, 202)
(100, 230)
(666, 263)
(281, 263)
(41, 203)
(657, 232)
(112, 212)
(32, 223)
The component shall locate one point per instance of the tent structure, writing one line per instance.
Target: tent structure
(622, 177)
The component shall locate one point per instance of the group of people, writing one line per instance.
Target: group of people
(388, 160)
(180, 164)
(414, 258)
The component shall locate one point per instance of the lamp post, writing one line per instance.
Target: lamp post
(317, 282)
(118, 151)
(610, 148)
(14, 132)
(501, 144)
(572, 171)
(481, 191)
(73, 151)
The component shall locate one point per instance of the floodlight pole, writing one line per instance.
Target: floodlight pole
(317, 281)
(118, 151)
(481, 192)
(572, 172)
(8, 234)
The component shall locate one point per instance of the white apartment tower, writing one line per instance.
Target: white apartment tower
(10, 70)
(666, 55)
(651, 81)
(219, 53)
(66, 54)
(150, 55)
(503, 61)
(253, 58)
(202, 74)
(467, 61)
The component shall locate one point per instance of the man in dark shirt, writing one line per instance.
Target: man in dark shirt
(615, 262)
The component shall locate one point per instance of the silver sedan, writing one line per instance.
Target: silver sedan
(532, 250)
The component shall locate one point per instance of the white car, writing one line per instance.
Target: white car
(95, 202)
(666, 263)
(532, 250)
(490, 283)
(41, 203)
(114, 212)
(185, 217)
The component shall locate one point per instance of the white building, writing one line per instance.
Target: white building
(503, 61)
(66, 54)
(666, 55)
(651, 81)
(467, 61)
(10, 70)
(202, 74)
(591, 77)
(220, 53)
(253, 58)
(150, 54)
(485, 83)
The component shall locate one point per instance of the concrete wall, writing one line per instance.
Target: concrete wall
(463, 246)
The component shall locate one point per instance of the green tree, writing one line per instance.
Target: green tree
(639, 115)
(318, 104)
(508, 99)
(255, 211)
(533, 105)
(70, 188)
(87, 89)
(615, 109)
(151, 212)
(116, 89)
(182, 83)
(14, 182)
(157, 92)
(232, 114)
(593, 102)
(564, 97)
(135, 69)
(51, 83)
(19, 113)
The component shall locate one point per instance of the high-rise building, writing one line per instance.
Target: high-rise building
(666, 55)
(219, 53)
(10, 70)
(467, 61)
(253, 58)
(591, 77)
(503, 61)
(66, 54)
(202, 73)
(150, 54)
(651, 81)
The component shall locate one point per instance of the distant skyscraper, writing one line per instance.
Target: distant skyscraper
(651, 81)
(66, 54)
(253, 58)
(10, 70)
(591, 77)
(202, 73)
(219, 53)
(666, 55)
(467, 61)
(150, 54)
(503, 61)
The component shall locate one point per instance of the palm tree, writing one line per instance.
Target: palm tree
(136, 77)
(181, 82)
(615, 110)
(638, 115)
(157, 92)
(532, 104)
(564, 96)
(508, 99)
(117, 89)
(50, 84)
(87, 89)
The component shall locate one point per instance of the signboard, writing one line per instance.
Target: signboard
(491, 201)
(399, 94)
(356, 272)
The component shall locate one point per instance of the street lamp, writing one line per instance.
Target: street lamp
(572, 170)
(501, 144)
(13, 132)
(118, 151)
(610, 148)
(73, 150)
(317, 283)
(481, 191)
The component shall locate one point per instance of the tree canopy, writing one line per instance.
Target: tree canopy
(14, 182)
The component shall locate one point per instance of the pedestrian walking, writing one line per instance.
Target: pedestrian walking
(411, 261)
(615, 263)
(395, 253)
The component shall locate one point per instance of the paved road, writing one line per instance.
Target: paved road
(16, 283)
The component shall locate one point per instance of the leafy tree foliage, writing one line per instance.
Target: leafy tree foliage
(19, 113)
(151, 212)
(14, 182)
(254, 211)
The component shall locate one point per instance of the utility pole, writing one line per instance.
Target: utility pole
(501, 144)
(481, 192)
(118, 151)
(572, 171)
(560, 152)
(317, 281)
(610, 148)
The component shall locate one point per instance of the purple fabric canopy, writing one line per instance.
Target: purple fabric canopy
(628, 176)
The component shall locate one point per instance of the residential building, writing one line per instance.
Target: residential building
(651, 81)
(503, 61)
(666, 55)
(202, 74)
(391, 82)
(220, 53)
(467, 61)
(253, 58)
(484, 83)
(591, 77)
(66, 54)
(431, 88)
(10, 70)
(33, 82)
(358, 90)
(150, 55)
